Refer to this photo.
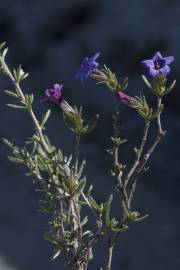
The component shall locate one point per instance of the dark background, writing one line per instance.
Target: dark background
(49, 39)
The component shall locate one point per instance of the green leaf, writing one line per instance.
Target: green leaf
(8, 143)
(60, 155)
(170, 88)
(84, 221)
(141, 218)
(19, 74)
(2, 45)
(10, 93)
(81, 168)
(124, 84)
(147, 83)
(56, 254)
(45, 118)
(93, 204)
(92, 123)
(15, 160)
(120, 230)
(16, 106)
(89, 190)
(80, 187)
(29, 100)
(136, 150)
(3, 55)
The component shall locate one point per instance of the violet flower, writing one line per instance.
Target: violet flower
(158, 65)
(124, 98)
(54, 94)
(88, 65)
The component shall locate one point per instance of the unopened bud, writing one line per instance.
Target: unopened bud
(65, 107)
(99, 75)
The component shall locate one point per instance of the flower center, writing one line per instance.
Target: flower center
(157, 65)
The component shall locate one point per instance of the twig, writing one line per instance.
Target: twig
(109, 255)
(17, 86)
(136, 163)
(76, 154)
(116, 157)
(141, 166)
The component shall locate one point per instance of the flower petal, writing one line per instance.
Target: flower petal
(169, 60)
(153, 72)
(95, 56)
(148, 63)
(157, 56)
(165, 70)
(48, 92)
(58, 88)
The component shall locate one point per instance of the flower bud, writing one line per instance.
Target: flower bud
(65, 107)
(124, 98)
(99, 75)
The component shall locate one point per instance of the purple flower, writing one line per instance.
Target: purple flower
(123, 97)
(158, 65)
(88, 65)
(54, 94)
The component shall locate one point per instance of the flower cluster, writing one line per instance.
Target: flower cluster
(157, 67)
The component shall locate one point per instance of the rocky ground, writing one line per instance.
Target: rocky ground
(49, 38)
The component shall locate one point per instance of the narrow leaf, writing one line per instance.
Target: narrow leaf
(56, 254)
(45, 118)
(16, 106)
(147, 83)
(10, 93)
(80, 186)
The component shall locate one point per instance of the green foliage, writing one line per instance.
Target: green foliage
(111, 81)
(75, 122)
(61, 179)
(19, 74)
(142, 107)
(158, 86)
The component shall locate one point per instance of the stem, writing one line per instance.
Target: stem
(76, 154)
(160, 131)
(113, 239)
(136, 163)
(109, 255)
(116, 157)
(141, 166)
(35, 121)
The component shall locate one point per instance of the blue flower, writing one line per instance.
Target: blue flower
(88, 65)
(158, 65)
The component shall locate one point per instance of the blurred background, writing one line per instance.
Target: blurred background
(50, 39)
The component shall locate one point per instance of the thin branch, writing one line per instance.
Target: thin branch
(109, 255)
(76, 154)
(17, 86)
(116, 156)
(140, 151)
(160, 131)
(141, 166)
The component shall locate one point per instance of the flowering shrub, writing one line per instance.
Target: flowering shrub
(61, 178)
